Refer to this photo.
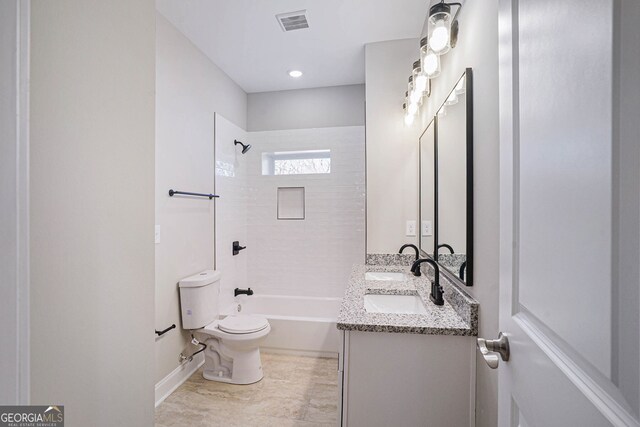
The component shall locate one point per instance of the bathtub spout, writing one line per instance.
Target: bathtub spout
(238, 291)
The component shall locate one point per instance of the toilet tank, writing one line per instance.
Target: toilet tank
(199, 299)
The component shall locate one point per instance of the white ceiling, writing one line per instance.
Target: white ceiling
(243, 37)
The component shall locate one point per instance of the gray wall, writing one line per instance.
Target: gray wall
(92, 196)
(392, 147)
(190, 89)
(306, 108)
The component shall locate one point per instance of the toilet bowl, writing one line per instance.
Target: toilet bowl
(232, 353)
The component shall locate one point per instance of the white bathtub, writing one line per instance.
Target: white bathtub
(299, 325)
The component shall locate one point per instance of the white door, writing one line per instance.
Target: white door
(568, 297)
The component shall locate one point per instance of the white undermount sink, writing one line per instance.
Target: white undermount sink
(384, 275)
(401, 304)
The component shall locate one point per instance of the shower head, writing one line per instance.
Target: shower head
(245, 147)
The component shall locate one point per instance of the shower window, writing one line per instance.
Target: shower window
(296, 162)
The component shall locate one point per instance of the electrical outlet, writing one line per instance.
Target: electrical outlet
(157, 234)
(427, 229)
(411, 228)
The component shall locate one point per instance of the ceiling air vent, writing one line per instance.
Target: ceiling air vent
(293, 20)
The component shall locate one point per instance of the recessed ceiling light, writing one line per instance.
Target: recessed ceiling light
(295, 73)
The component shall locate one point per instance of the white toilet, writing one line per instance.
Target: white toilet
(232, 354)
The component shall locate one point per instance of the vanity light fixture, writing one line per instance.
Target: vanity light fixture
(442, 35)
(295, 73)
(443, 28)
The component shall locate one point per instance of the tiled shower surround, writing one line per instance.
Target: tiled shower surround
(309, 257)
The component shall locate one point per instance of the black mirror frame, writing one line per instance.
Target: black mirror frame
(468, 76)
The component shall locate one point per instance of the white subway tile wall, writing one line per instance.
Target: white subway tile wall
(310, 257)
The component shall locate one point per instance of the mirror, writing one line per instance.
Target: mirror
(427, 189)
(446, 182)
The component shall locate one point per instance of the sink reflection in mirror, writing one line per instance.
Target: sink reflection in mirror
(399, 304)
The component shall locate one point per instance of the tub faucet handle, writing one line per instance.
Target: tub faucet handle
(237, 248)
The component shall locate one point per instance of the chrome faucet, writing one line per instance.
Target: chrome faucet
(437, 292)
(409, 245)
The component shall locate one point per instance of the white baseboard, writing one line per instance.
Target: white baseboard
(305, 353)
(168, 384)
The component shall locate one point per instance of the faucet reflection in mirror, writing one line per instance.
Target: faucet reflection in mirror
(409, 245)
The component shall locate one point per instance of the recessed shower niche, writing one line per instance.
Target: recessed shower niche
(290, 202)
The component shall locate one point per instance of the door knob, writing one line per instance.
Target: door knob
(489, 348)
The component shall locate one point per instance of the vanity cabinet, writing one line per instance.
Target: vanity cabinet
(405, 379)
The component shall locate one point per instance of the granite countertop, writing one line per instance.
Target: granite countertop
(458, 315)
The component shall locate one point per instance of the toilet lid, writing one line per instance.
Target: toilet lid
(243, 324)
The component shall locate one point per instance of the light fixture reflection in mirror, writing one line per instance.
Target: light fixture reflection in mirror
(460, 89)
(452, 99)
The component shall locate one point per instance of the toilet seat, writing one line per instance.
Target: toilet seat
(238, 327)
(243, 324)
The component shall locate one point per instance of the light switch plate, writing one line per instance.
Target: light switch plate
(427, 229)
(411, 228)
(157, 234)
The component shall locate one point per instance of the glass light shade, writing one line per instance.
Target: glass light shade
(419, 83)
(412, 109)
(410, 85)
(431, 64)
(439, 40)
